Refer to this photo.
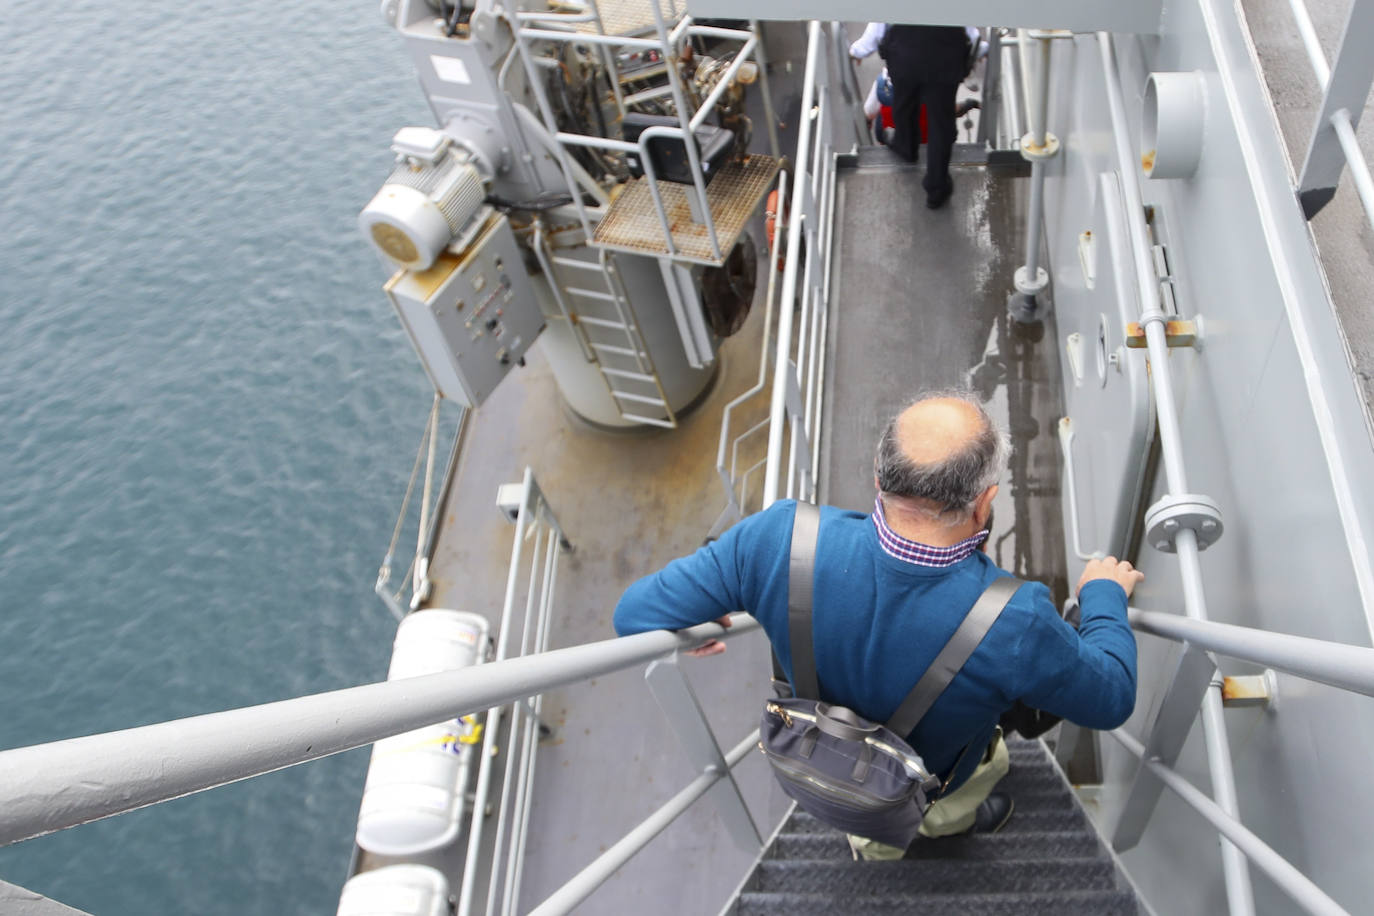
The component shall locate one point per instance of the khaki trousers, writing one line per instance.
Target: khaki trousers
(953, 813)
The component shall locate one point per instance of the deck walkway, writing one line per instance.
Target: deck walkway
(918, 302)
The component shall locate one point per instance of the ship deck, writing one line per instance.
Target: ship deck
(933, 317)
(920, 303)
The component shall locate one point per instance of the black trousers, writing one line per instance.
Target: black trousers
(907, 97)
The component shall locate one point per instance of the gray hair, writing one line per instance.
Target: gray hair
(953, 484)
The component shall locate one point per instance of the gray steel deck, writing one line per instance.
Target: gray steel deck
(935, 315)
(919, 302)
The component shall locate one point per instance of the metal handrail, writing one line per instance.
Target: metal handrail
(581, 885)
(534, 520)
(1336, 664)
(49, 787)
(1297, 885)
(736, 484)
(665, 40)
(1240, 894)
(796, 399)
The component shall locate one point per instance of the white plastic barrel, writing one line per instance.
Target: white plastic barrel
(416, 782)
(397, 890)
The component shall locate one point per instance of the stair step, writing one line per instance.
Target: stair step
(1000, 846)
(618, 351)
(1093, 903)
(1021, 749)
(577, 263)
(1032, 780)
(625, 373)
(651, 421)
(1034, 800)
(601, 322)
(1050, 820)
(913, 876)
(638, 398)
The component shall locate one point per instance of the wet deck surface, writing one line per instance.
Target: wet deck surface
(919, 302)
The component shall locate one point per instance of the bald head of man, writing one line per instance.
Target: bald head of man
(937, 463)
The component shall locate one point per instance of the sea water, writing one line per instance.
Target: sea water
(207, 415)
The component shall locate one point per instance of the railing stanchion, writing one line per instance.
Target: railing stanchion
(1297, 885)
(682, 710)
(783, 357)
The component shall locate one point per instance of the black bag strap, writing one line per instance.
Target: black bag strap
(974, 627)
(801, 566)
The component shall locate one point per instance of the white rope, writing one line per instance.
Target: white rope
(384, 574)
(422, 530)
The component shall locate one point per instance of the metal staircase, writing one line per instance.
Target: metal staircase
(1047, 860)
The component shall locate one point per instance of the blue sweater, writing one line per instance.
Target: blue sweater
(878, 622)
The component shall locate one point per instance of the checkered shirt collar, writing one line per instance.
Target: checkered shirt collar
(894, 545)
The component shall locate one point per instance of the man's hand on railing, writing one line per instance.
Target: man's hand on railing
(711, 646)
(1120, 572)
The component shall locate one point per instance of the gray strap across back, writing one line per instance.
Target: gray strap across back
(800, 571)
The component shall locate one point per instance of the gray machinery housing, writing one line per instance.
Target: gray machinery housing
(624, 333)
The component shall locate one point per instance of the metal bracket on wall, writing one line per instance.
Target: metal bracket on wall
(1251, 690)
(1177, 333)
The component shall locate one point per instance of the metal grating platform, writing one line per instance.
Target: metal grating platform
(632, 222)
(628, 17)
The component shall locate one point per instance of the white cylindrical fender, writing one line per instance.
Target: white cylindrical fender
(416, 782)
(396, 890)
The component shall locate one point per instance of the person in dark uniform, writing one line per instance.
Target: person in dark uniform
(927, 63)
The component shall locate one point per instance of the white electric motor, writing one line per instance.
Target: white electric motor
(413, 800)
(430, 199)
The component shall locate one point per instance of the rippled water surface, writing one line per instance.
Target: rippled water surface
(207, 412)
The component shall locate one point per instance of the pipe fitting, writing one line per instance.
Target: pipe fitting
(1034, 153)
(1152, 316)
(1028, 287)
(1172, 118)
(1172, 514)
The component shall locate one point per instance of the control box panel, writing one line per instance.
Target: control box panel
(472, 315)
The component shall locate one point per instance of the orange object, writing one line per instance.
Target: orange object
(771, 213)
(886, 114)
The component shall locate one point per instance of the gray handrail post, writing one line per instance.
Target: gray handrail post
(682, 710)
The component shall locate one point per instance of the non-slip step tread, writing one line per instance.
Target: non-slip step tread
(1052, 820)
(999, 846)
(1061, 903)
(949, 876)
